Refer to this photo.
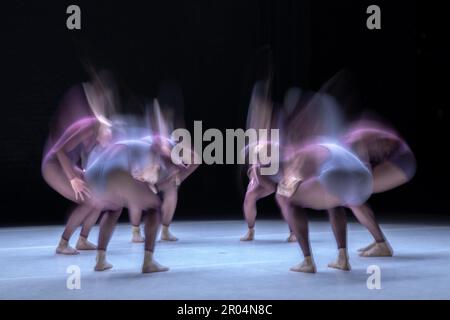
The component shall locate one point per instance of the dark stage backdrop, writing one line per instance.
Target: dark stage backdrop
(214, 51)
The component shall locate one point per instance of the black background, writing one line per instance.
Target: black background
(215, 51)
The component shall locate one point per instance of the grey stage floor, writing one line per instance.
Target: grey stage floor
(209, 262)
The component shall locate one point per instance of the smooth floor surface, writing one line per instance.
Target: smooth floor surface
(209, 262)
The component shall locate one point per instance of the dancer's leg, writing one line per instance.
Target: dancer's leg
(386, 176)
(76, 218)
(88, 223)
(298, 221)
(253, 194)
(381, 247)
(107, 225)
(152, 221)
(250, 215)
(301, 231)
(372, 217)
(292, 237)
(135, 220)
(338, 220)
(169, 204)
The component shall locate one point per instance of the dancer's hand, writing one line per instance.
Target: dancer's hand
(80, 189)
(137, 174)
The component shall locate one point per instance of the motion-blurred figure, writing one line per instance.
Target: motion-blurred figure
(80, 126)
(139, 174)
(260, 116)
(392, 164)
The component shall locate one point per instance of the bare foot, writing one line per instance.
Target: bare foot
(380, 249)
(136, 235)
(67, 251)
(342, 262)
(102, 264)
(291, 238)
(64, 248)
(150, 265)
(249, 236)
(166, 235)
(153, 266)
(84, 244)
(307, 266)
(367, 247)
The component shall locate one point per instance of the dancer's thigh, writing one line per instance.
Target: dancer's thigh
(387, 176)
(312, 194)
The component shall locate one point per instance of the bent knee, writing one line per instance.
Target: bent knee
(282, 200)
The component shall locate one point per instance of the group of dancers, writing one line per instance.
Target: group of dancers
(326, 164)
(105, 161)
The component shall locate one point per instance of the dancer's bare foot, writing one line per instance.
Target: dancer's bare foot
(249, 236)
(150, 265)
(367, 247)
(102, 264)
(380, 249)
(342, 262)
(84, 244)
(64, 248)
(136, 235)
(291, 238)
(166, 235)
(307, 266)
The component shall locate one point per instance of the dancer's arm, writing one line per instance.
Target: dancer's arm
(189, 168)
(75, 135)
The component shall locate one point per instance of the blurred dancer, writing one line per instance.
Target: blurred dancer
(62, 169)
(142, 175)
(320, 176)
(260, 116)
(80, 127)
(170, 177)
(319, 172)
(387, 160)
(160, 126)
(392, 164)
(124, 176)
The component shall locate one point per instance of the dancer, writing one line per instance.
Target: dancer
(160, 125)
(319, 172)
(321, 175)
(124, 176)
(168, 187)
(170, 177)
(392, 164)
(62, 169)
(260, 186)
(386, 156)
(142, 175)
(79, 127)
